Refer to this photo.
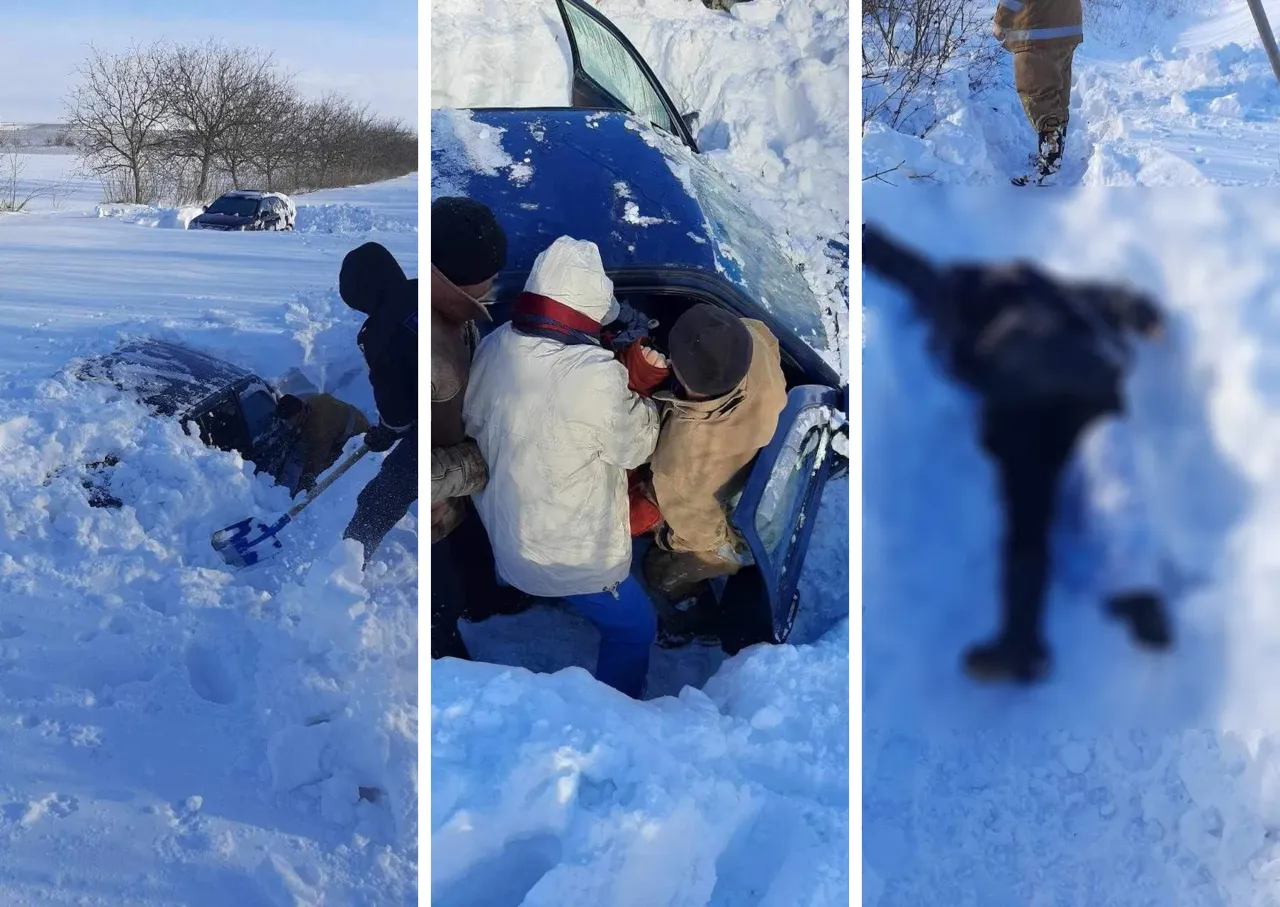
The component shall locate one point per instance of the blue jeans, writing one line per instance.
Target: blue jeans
(628, 628)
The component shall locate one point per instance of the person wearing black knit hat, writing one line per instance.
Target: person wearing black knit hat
(731, 393)
(468, 249)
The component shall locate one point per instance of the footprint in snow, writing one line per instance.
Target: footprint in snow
(11, 629)
(209, 675)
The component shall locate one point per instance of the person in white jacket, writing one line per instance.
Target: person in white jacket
(550, 409)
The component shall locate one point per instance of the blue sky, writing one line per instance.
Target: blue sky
(365, 49)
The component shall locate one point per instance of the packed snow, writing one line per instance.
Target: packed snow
(729, 786)
(1128, 778)
(1165, 93)
(172, 732)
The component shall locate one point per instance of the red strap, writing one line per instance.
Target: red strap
(545, 307)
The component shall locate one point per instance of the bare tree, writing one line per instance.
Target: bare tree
(182, 123)
(271, 146)
(117, 112)
(212, 91)
(910, 47)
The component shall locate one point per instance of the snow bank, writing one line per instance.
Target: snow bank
(555, 790)
(340, 218)
(150, 215)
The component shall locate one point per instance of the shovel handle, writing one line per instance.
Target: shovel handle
(334, 474)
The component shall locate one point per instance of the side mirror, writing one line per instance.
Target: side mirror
(204, 208)
(690, 118)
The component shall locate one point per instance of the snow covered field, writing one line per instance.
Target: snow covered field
(1128, 779)
(171, 732)
(729, 787)
(1157, 100)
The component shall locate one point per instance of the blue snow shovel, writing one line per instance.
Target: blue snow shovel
(251, 541)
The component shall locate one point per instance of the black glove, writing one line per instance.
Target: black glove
(380, 438)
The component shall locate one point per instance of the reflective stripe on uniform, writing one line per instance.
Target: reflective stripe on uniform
(1042, 34)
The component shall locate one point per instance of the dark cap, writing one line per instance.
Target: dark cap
(468, 244)
(710, 350)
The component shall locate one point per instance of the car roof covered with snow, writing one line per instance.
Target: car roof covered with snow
(170, 378)
(644, 198)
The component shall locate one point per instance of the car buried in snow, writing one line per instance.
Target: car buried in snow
(620, 168)
(248, 209)
(227, 407)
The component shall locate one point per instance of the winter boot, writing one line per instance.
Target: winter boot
(692, 620)
(1006, 660)
(1048, 158)
(1145, 614)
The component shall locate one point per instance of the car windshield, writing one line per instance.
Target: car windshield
(750, 257)
(238, 206)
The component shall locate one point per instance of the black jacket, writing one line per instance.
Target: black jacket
(372, 282)
(1018, 336)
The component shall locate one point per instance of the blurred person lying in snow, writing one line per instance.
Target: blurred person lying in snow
(1047, 359)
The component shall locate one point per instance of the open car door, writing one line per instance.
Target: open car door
(609, 74)
(776, 513)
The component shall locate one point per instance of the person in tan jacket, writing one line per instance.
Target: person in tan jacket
(731, 393)
(323, 424)
(468, 249)
(1043, 36)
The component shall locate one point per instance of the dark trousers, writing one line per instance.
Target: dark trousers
(388, 496)
(464, 583)
(448, 598)
(1030, 446)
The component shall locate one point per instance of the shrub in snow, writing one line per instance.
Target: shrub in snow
(911, 47)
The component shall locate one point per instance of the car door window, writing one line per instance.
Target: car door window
(604, 57)
(777, 513)
(222, 427)
(259, 408)
(779, 502)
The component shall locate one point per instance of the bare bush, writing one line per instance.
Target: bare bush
(17, 191)
(911, 47)
(183, 123)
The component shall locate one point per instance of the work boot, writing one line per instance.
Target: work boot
(1047, 160)
(1145, 615)
(1004, 660)
(1053, 141)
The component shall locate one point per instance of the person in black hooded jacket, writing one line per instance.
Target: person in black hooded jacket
(371, 281)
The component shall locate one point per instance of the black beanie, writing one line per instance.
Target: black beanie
(710, 350)
(467, 242)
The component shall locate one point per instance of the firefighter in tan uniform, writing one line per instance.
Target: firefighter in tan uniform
(1042, 35)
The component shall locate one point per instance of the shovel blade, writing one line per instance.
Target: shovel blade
(246, 543)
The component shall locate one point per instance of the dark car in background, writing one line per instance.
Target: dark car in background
(248, 209)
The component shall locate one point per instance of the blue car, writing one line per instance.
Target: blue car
(622, 170)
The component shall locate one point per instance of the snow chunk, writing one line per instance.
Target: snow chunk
(631, 214)
(151, 215)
